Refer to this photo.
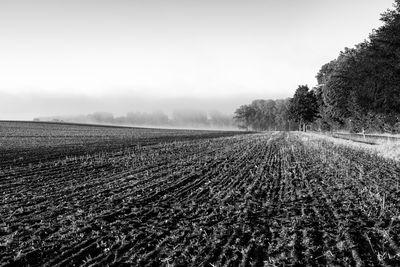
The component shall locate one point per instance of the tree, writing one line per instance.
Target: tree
(260, 115)
(244, 116)
(220, 120)
(303, 106)
(282, 118)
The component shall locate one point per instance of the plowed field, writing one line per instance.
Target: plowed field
(268, 199)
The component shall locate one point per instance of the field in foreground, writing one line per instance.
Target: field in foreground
(267, 199)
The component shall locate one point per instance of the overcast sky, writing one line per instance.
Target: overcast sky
(206, 53)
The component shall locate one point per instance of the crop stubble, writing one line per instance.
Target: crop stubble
(246, 200)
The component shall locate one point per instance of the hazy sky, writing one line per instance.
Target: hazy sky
(210, 50)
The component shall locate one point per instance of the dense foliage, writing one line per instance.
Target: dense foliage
(358, 91)
(303, 107)
(265, 115)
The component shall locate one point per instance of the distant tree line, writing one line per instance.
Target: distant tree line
(358, 91)
(179, 118)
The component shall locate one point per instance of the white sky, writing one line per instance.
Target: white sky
(208, 49)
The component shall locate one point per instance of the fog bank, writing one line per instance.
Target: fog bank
(182, 118)
(29, 105)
